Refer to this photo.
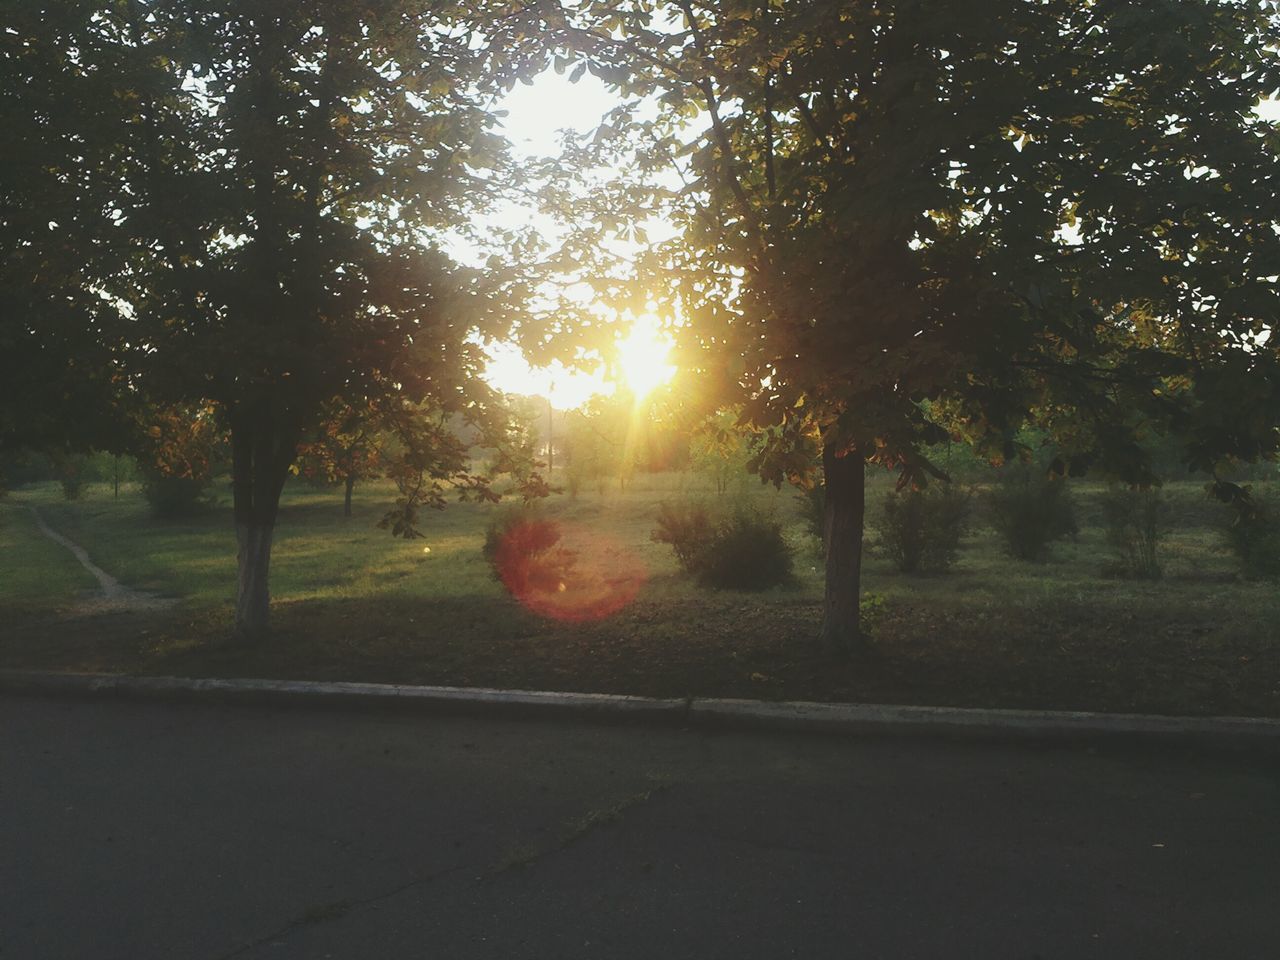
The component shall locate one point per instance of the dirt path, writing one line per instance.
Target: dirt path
(115, 596)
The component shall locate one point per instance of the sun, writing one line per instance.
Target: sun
(643, 357)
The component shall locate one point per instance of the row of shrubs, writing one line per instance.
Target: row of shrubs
(169, 495)
(921, 530)
(918, 530)
(741, 550)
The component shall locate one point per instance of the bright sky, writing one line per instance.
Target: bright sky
(535, 116)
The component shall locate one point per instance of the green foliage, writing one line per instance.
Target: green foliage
(688, 526)
(900, 221)
(920, 529)
(1136, 521)
(871, 611)
(1057, 295)
(741, 550)
(748, 552)
(248, 206)
(596, 445)
(69, 468)
(1031, 508)
(1253, 535)
(19, 467)
(721, 452)
(345, 449)
(172, 497)
(72, 485)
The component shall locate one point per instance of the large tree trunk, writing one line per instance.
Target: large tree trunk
(346, 499)
(845, 488)
(262, 448)
(253, 598)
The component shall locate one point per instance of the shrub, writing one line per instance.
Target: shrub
(174, 496)
(1135, 521)
(741, 551)
(1030, 509)
(1254, 536)
(920, 530)
(871, 609)
(72, 486)
(747, 552)
(688, 527)
(70, 471)
(521, 549)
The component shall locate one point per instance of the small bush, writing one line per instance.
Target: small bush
(1135, 521)
(1254, 537)
(747, 552)
(173, 496)
(741, 551)
(688, 527)
(1030, 508)
(871, 610)
(72, 486)
(920, 530)
(70, 471)
(521, 549)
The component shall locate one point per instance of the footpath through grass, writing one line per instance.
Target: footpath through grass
(351, 602)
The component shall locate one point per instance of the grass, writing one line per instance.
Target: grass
(351, 602)
(38, 573)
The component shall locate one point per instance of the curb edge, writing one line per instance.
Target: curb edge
(846, 718)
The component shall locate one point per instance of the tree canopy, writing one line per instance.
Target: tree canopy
(252, 204)
(882, 223)
(898, 220)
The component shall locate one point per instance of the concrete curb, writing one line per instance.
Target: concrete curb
(842, 718)
(855, 718)
(343, 693)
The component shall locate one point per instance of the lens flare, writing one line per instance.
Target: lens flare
(570, 574)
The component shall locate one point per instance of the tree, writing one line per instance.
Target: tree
(345, 449)
(898, 221)
(257, 201)
(179, 447)
(601, 443)
(58, 376)
(721, 450)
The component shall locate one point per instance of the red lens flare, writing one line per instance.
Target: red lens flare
(572, 573)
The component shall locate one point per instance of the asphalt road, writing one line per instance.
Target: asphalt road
(149, 830)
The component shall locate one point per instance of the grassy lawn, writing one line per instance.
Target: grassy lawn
(351, 602)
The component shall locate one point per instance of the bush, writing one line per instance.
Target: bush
(175, 496)
(72, 486)
(741, 551)
(871, 610)
(920, 530)
(1135, 521)
(1254, 536)
(688, 527)
(1030, 509)
(747, 552)
(69, 469)
(521, 549)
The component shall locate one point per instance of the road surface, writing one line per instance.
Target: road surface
(204, 831)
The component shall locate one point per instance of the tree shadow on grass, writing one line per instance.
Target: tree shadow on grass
(1061, 656)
